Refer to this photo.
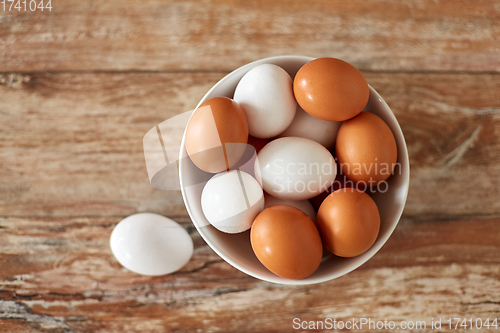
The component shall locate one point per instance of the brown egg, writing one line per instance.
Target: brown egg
(349, 222)
(330, 89)
(217, 134)
(257, 143)
(286, 242)
(366, 149)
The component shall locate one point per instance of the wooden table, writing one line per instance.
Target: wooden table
(81, 84)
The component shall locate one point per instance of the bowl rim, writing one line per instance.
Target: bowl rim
(278, 279)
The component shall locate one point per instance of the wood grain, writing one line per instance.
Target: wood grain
(81, 85)
(413, 35)
(71, 144)
(58, 275)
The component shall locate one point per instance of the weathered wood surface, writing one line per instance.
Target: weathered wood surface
(58, 275)
(222, 35)
(72, 167)
(71, 144)
(81, 85)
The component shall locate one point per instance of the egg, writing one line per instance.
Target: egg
(286, 242)
(150, 244)
(257, 143)
(216, 135)
(306, 126)
(349, 222)
(366, 149)
(295, 168)
(303, 205)
(231, 201)
(330, 89)
(266, 94)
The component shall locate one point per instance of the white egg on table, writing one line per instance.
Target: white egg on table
(295, 168)
(266, 95)
(231, 201)
(304, 205)
(306, 126)
(151, 244)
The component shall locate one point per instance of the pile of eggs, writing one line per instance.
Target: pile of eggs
(287, 157)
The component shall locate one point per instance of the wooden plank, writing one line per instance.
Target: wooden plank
(59, 274)
(222, 35)
(71, 144)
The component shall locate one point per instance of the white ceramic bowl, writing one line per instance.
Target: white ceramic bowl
(236, 248)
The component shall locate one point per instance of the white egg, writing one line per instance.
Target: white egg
(150, 244)
(306, 126)
(295, 168)
(304, 205)
(231, 201)
(266, 95)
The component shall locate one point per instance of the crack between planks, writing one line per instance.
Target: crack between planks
(230, 290)
(62, 295)
(195, 270)
(144, 71)
(450, 218)
(480, 303)
(424, 216)
(228, 70)
(180, 217)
